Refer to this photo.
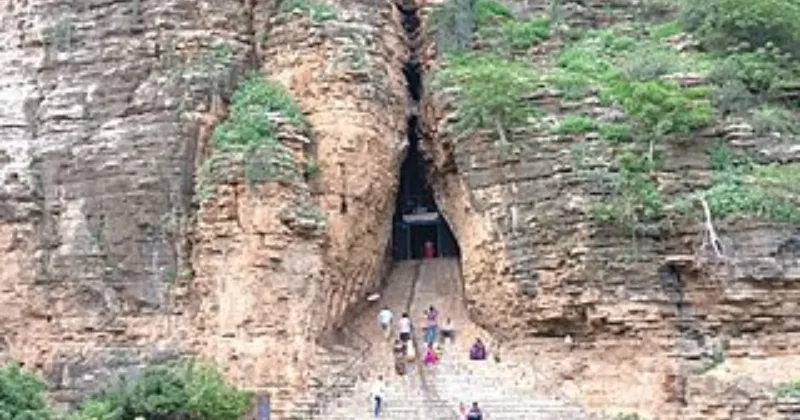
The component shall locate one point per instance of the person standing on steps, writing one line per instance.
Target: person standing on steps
(378, 390)
(448, 331)
(474, 413)
(399, 352)
(429, 250)
(385, 317)
(404, 325)
(432, 323)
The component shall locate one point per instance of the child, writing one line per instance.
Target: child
(411, 352)
(430, 356)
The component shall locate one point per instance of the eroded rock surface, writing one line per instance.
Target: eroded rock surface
(107, 109)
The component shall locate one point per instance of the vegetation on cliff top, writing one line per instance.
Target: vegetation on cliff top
(662, 93)
(180, 390)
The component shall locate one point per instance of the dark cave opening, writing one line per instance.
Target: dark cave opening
(417, 219)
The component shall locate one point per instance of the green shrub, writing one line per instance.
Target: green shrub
(635, 200)
(771, 119)
(741, 187)
(666, 30)
(615, 132)
(489, 91)
(316, 11)
(576, 124)
(723, 24)
(184, 390)
(584, 60)
(651, 64)
(249, 135)
(760, 71)
(572, 85)
(629, 416)
(253, 101)
(492, 13)
(788, 390)
(22, 395)
(733, 97)
(517, 34)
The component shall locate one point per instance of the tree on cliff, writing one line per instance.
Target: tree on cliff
(21, 395)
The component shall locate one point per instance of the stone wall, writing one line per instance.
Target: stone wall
(646, 315)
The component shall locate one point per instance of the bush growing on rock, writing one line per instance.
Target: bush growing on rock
(22, 395)
(723, 24)
(788, 390)
(185, 391)
(249, 136)
(455, 22)
(490, 91)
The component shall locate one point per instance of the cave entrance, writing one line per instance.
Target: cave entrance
(417, 220)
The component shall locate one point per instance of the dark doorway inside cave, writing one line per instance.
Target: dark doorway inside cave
(417, 219)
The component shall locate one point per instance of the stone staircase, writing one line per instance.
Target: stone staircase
(335, 379)
(503, 390)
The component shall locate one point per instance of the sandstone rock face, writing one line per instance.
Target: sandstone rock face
(96, 175)
(107, 109)
(646, 316)
(347, 75)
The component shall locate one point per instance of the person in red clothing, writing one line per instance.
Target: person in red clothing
(430, 250)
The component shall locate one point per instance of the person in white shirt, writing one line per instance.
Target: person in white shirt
(378, 390)
(405, 328)
(448, 331)
(385, 317)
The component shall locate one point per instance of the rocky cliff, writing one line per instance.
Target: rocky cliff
(115, 252)
(642, 310)
(128, 235)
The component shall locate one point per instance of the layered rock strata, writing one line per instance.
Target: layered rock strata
(107, 110)
(536, 268)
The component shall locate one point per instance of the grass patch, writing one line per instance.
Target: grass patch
(576, 124)
(665, 30)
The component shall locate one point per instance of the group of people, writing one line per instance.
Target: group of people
(433, 337)
(404, 351)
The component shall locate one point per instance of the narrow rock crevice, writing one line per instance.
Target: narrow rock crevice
(417, 221)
